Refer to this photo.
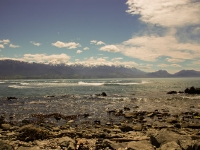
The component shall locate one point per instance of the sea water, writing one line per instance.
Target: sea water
(79, 96)
(141, 87)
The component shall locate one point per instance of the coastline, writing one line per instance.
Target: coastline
(121, 127)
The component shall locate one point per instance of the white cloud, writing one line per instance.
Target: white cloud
(97, 42)
(70, 45)
(163, 65)
(14, 46)
(94, 61)
(35, 43)
(93, 42)
(79, 51)
(166, 13)
(150, 48)
(86, 48)
(117, 59)
(172, 60)
(1, 46)
(5, 41)
(100, 43)
(175, 65)
(110, 48)
(43, 58)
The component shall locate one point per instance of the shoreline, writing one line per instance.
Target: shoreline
(127, 127)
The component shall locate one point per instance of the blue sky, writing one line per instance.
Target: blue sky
(161, 34)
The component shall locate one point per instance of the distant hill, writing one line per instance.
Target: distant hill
(159, 74)
(11, 69)
(187, 73)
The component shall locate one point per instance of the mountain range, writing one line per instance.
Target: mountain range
(12, 69)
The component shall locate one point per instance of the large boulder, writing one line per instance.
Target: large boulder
(31, 133)
(171, 146)
(5, 146)
(165, 136)
(192, 90)
(140, 145)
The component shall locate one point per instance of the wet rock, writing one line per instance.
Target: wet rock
(171, 146)
(192, 90)
(140, 145)
(103, 94)
(5, 146)
(126, 128)
(11, 98)
(31, 133)
(172, 92)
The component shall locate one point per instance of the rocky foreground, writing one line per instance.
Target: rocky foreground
(138, 130)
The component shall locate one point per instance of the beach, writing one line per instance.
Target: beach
(142, 119)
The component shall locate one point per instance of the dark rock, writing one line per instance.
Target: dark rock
(5, 146)
(192, 90)
(103, 94)
(98, 122)
(172, 92)
(196, 146)
(10, 98)
(127, 108)
(125, 128)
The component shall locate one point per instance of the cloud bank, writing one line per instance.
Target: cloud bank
(166, 13)
(70, 45)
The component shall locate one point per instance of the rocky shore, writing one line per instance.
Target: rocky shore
(137, 130)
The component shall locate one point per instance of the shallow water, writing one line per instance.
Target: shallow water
(75, 97)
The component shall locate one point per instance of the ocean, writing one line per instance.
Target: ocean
(78, 96)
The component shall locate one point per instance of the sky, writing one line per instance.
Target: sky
(148, 35)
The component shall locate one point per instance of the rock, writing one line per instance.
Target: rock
(140, 145)
(5, 146)
(172, 92)
(10, 98)
(29, 148)
(170, 146)
(130, 115)
(5, 126)
(125, 128)
(171, 120)
(192, 90)
(196, 146)
(31, 133)
(186, 144)
(113, 145)
(66, 142)
(103, 94)
(138, 127)
(164, 136)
